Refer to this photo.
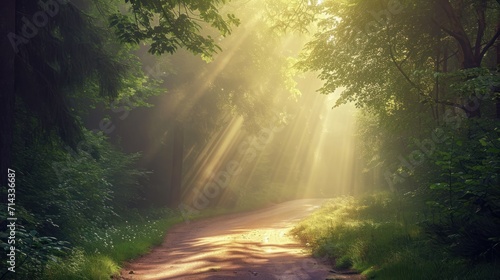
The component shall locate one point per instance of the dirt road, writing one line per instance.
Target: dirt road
(253, 245)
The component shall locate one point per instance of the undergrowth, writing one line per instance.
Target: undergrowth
(101, 251)
(381, 236)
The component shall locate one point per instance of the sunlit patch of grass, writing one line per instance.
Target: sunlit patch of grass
(99, 267)
(101, 251)
(80, 265)
(379, 236)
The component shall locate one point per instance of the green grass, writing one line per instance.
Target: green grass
(380, 236)
(81, 265)
(101, 252)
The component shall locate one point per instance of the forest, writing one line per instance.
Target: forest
(121, 119)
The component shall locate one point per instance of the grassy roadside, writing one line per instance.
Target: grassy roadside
(101, 251)
(380, 236)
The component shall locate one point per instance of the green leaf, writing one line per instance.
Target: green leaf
(438, 186)
(483, 142)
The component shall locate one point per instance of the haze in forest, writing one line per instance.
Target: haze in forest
(249, 107)
(122, 118)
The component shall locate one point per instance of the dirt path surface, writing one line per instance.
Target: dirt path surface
(253, 245)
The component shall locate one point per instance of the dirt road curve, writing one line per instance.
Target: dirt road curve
(253, 245)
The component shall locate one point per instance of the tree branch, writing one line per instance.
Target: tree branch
(490, 43)
(457, 31)
(419, 90)
(413, 84)
(481, 27)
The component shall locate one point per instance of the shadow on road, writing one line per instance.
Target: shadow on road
(255, 245)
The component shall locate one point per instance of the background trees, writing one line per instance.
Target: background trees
(251, 82)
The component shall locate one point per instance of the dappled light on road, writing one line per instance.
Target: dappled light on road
(255, 245)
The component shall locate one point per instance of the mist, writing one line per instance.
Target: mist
(247, 109)
(363, 132)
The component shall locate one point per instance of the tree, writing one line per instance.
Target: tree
(427, 72)
(374, 50)
(51, 64)
(59, 50)
(448, 17)
(7, 78)
(358, 42)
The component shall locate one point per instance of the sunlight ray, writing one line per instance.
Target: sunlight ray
(212, 158)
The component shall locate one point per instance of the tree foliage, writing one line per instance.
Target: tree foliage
(168, 25)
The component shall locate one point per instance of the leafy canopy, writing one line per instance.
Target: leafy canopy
(168, 25)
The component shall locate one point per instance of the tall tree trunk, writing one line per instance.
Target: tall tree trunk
(177, 160)
(449, 22)
(498, 89)
(471, 56)
(444, 83)
(7, 86)
(437, 87)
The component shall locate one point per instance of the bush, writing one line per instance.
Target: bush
(63, 194)
(467, 196)
(380, 235)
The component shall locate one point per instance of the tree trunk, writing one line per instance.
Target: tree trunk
(7, 86)
(498, 89)
(450, 23)
(437, 87)
(177, 161)
(471, 56)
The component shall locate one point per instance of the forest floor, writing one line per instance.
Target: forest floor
(253, 245)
